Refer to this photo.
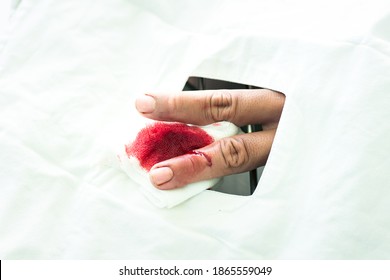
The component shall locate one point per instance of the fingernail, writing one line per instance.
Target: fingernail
(145, 104)
(161, 175)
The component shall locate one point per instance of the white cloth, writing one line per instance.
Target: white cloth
(69, 72)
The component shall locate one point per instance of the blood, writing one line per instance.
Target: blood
(206, 156)
(162, 141)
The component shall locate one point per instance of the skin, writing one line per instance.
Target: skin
(231, 155)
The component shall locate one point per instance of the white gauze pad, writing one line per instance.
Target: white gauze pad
(170, 198)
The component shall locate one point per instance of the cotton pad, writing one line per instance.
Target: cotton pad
(159, 141)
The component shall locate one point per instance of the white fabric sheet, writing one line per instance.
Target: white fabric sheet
(69, 72)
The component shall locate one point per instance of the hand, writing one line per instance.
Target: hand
(229, 155)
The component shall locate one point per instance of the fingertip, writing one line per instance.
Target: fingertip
(145, 104)
(160, 176)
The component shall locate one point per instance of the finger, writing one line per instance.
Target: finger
(241, 107)
(227, 156)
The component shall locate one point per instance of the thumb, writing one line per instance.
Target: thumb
(224, 157)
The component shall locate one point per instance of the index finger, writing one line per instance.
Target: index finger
(226, 156)
(241, 107)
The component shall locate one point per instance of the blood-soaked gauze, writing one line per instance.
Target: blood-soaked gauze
(161, 141)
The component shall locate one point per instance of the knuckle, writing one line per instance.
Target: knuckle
(234, 152)
(222, 106)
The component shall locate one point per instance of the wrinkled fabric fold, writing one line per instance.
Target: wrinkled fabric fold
(71, 70)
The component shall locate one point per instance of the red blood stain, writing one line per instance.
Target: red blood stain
(161, 141)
